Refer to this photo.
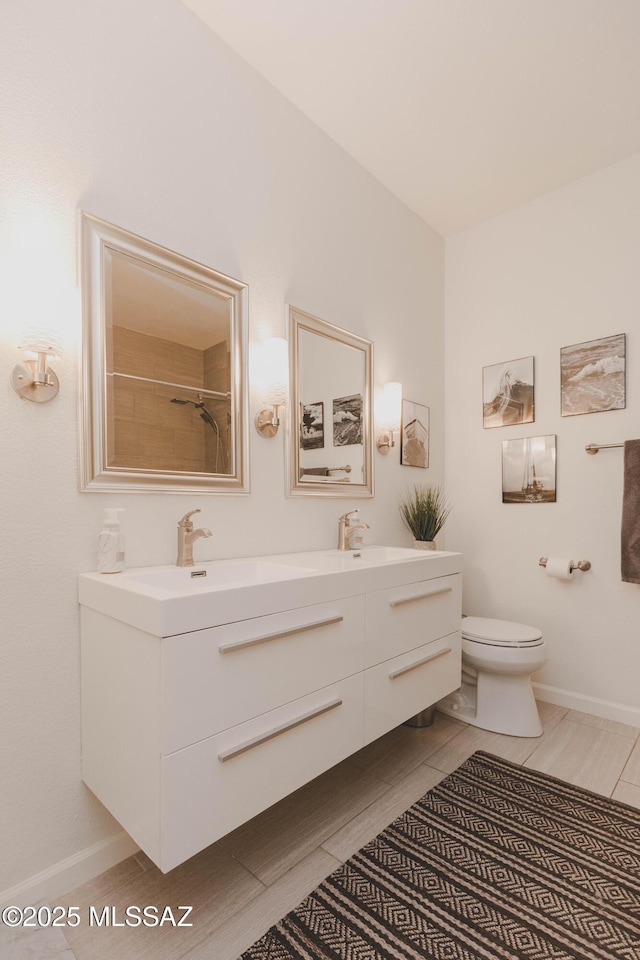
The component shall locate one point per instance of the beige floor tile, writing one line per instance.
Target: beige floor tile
(99, 888)
(550, 714)
(383, 811)
(613, 726)
(274, 841)
(36, 943)
(583, 755)
(627, 793)
(213, 883)
(229, 940)
(471, 739)
(394, 755)
(631, 772)
(144, 860)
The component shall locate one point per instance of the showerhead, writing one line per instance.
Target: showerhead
(204, 413)
(208, 419)
(206, 416)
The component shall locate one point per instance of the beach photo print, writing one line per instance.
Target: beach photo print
(592, 376)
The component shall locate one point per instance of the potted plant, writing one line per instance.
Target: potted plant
(424, 512)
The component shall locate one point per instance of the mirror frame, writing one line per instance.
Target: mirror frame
(300, 320)
(94, 473)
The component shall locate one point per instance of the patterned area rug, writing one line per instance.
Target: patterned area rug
(495, 862)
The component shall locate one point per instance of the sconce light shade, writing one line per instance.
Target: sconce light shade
(36, 341)
(276, 361)
(33, 379)
(275, 376)
(392, 403)
(390, 415)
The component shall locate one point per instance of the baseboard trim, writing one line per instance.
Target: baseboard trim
(576, 701)
(67, 874)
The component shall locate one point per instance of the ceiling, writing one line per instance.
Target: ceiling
(462, 108)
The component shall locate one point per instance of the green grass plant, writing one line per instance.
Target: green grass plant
(424, 511)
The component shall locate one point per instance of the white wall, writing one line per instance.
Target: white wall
(558, 271)
(136, 113)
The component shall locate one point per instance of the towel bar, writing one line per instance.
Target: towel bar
(593, 448)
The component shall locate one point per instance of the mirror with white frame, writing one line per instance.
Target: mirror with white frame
(330, 436)
(164, 386)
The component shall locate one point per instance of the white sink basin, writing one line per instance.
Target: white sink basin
(170, 600)
(167, 601)
(373, 556)
(377, 555)
(207, 577)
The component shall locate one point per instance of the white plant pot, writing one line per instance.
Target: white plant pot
(424, 544)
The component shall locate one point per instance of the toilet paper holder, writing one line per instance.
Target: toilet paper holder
(580, 565)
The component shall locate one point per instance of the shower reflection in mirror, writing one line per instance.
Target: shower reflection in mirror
(219, 466)
(164, 361)
(166, 340)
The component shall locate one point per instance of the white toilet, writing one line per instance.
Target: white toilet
(498, 660)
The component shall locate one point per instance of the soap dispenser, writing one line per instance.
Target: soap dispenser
(111, 543)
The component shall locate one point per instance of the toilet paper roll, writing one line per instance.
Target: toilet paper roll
(559, 568)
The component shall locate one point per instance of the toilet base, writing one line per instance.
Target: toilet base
(506, 705)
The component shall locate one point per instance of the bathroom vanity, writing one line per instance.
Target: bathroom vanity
(209, 693)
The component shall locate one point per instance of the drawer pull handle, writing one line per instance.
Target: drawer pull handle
(276, 731)
(420, 596)
(252, 641)
(412, 666)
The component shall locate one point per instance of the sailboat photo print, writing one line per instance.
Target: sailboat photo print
(529, 470)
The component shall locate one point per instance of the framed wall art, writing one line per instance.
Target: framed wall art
(312, 426)
(414, 440)
(529, 470)
(507, 393)
(347, 420)
(592, 376)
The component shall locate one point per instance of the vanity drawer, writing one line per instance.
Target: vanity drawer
(400, 688)
(216, 678)
(213, 786)
(403, 618)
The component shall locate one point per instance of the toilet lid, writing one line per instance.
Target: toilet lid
(504, 632)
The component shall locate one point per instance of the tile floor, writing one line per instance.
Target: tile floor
(241, 885)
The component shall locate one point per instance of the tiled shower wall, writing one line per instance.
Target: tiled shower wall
(150, 432)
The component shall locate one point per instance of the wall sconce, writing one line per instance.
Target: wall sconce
(275, 376)
(390, 416)
(33, 379)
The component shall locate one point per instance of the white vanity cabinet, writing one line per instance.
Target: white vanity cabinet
(412, 649)
(186, 736)
(237, 671)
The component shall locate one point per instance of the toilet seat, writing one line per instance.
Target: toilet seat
(500, 633)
